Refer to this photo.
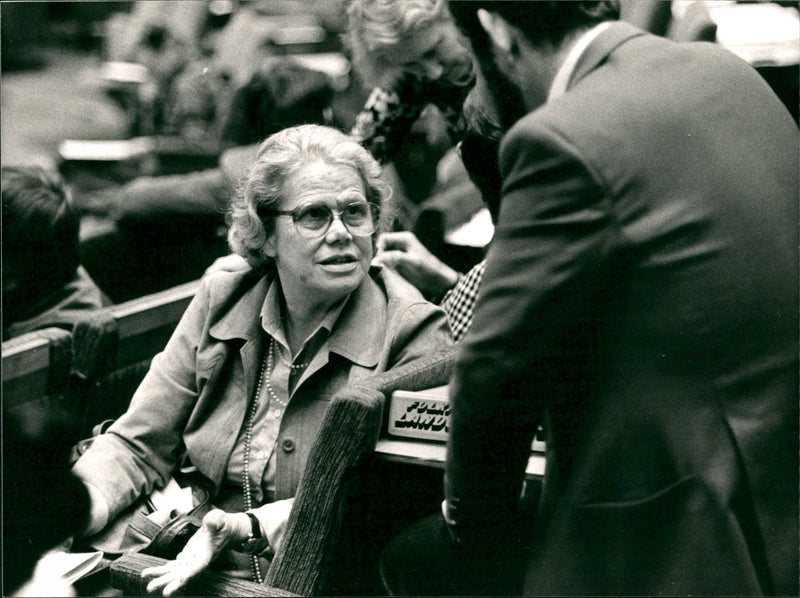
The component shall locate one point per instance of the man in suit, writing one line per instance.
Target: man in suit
(640, 300)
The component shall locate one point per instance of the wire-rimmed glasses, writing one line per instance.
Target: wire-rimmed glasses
(314, 220)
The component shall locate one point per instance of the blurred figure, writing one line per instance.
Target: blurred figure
(413, 53)
(455, 292)
(43, 282)
(43, 503)
(281, 94)
(421, 71)
(640, 301)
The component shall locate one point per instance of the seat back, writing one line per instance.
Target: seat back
(145, 324)
(326, 547)
(36, 368)
(114, 346)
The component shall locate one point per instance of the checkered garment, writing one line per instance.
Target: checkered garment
(459, 302)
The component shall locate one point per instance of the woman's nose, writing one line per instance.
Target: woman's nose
(338, 231)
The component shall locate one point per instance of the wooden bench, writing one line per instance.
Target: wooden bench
(113, 348)
(36, 368)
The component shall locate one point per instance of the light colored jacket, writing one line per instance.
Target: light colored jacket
(197, 391)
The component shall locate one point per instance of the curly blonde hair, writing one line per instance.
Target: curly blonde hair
(280, 155)
(376, 25)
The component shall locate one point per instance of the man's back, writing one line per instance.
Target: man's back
(649, 233)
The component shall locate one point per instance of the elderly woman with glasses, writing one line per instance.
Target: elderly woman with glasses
(243, 384)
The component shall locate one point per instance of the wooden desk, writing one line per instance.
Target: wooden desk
(432, 454)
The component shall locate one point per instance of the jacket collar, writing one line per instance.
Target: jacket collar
(357, 336)
(239, 312)
(605, 43)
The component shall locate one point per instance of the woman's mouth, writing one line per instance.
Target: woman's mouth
(339, 259)
(340, 263)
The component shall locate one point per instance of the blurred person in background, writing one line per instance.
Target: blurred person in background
(307, 317)
(640, 301)
(44, 504)
(490, 108)
(420, 71)
(414, 56)
(44, 283)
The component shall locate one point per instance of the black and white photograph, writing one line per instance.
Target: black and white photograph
(400, 297)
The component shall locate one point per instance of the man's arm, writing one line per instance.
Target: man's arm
(405, 254)
(525, 347)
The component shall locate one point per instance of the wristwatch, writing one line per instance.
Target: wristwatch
(256, 543)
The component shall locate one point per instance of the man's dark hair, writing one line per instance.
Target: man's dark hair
(40, 230)
(542, 22)
(480, 144)
(506, 94)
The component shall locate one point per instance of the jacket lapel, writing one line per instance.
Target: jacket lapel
(242, 322)
(360, 332)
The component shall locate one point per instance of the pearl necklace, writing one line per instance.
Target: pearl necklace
(266, 365)
(276, 405)
(264, 375)
(294, 367)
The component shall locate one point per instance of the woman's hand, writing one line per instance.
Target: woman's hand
(218, 530)
(404, 253)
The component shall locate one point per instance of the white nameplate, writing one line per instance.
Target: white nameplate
(425, 415)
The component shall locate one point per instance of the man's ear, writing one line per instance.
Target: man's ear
(497, 28)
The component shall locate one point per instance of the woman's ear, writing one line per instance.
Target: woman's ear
(269, 247)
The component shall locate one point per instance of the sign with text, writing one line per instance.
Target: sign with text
(425, 414)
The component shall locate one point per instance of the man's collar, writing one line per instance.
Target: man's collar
(564, 73)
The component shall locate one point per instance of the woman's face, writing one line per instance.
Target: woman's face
(324, 269)
(436, 52)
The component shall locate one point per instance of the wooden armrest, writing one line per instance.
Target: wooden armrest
(126, 575)
(421, 374)
(347, 437)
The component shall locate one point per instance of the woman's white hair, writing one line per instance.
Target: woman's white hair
(376, 25)
(280, 155)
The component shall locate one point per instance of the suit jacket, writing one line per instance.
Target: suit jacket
(641, 297)
(196, 394)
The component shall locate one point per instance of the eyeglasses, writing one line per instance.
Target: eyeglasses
(315, 220)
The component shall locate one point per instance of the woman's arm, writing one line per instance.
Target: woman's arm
(139, 451)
